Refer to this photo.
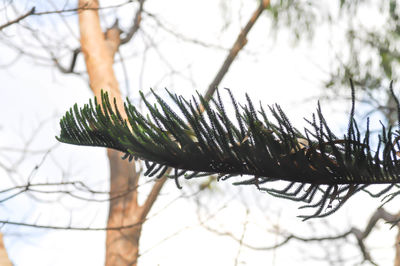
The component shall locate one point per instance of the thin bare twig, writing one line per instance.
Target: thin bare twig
(237, 46)
(4, 222)
(162, 25)
(242, 237)
(360, 235)
(136, 24)
(77, 185)
(70, 10)
(30, 12)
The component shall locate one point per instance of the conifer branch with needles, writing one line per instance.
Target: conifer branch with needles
(320, 169)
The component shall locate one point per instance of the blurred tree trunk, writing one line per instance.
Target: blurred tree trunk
(4, 260)
(397, 248)
(122, 246)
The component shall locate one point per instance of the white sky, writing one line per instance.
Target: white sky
(269, 71)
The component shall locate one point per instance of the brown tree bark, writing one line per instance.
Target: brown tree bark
(122, 247)
(4, 260)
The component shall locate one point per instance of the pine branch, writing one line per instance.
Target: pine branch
(319, 166)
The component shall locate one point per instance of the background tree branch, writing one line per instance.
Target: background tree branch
(18, 19)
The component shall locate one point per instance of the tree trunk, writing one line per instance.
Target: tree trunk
(397, 247)
(122, 246)
(4, 260)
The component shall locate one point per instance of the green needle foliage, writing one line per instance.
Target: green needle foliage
(319, 167)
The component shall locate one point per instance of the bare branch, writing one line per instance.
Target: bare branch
(151, 198)
(71, 68)
(260, 248)
(161, 24)
(38, 226)
(241, 238)
(78, 186)
(30, 12)
(136, 24)
(360, 235)
(237, 46)
(80, 8)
